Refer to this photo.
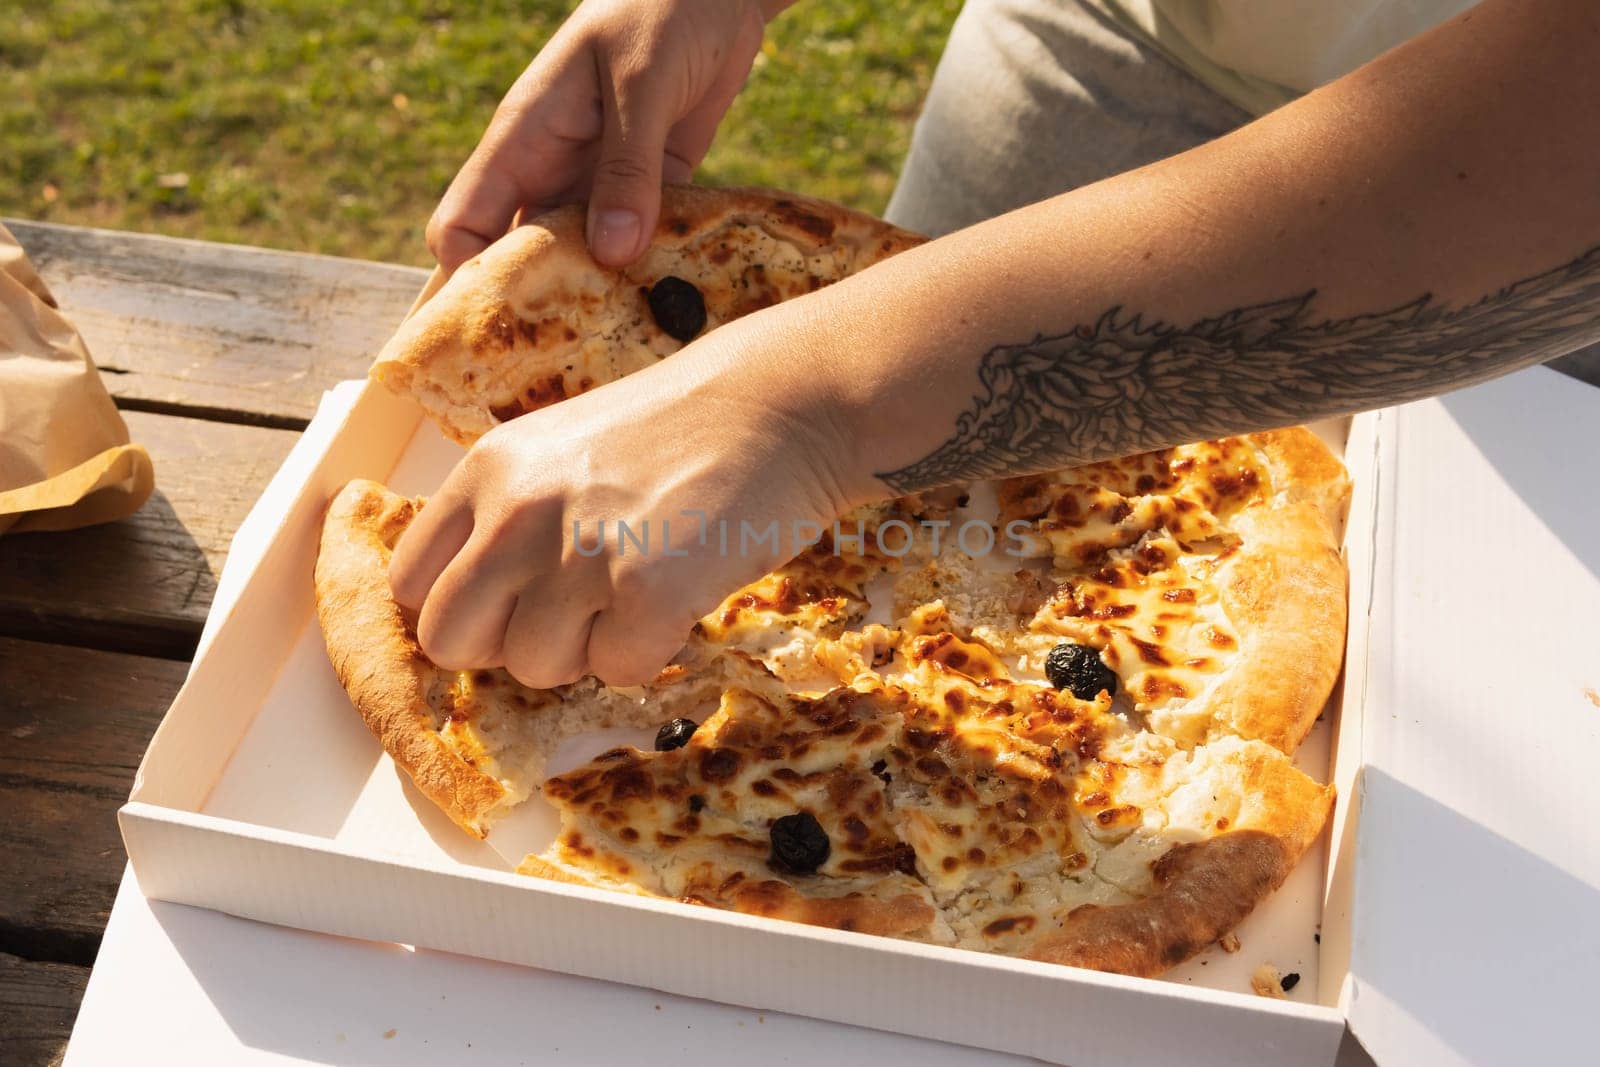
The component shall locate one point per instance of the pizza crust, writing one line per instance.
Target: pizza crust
(1305, 470)
(534, 319)
(895, 914)
(376, 656)
(1285, 593)
(1203, 888)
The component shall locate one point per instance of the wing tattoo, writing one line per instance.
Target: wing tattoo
(1121, 385)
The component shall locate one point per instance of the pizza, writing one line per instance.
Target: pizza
(533, 319)
(1065, 734)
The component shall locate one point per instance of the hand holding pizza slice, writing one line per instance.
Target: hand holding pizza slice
(704, 440)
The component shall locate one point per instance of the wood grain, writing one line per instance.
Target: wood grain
(38, 1002)
(74, 724)
(222, 331)
(144, 584)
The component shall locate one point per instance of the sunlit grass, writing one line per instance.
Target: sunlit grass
(334, 127)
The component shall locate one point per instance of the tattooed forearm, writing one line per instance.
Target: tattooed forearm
(1120, 386)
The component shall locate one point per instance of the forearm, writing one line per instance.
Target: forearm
(1417, 226)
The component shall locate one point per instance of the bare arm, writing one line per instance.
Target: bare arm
(1430, 221)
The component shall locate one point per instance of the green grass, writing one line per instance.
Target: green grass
(334, 126)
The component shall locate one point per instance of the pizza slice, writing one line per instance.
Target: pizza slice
(1206, 579)
(534, 319)
(964, 809)
(770, 807)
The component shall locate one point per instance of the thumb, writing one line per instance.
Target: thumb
(625, 197)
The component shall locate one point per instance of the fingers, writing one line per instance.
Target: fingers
(692, 135)
(631, 645)
(426, 548)
(546, 643)
(464, 619)
(534, 154)
(625, 198)
(475, 211)
(610, 108)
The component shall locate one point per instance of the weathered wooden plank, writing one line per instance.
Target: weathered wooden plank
(75, 723)
(144, 584)
(38, 1003)
(229, 331)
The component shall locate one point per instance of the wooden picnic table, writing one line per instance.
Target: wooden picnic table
(217, 356)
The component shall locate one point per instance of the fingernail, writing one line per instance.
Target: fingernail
(615, 233)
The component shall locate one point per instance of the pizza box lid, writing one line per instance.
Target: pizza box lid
(1475, 903)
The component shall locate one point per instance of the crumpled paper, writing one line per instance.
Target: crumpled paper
(65, 457)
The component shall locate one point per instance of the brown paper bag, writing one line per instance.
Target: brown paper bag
(65, 460)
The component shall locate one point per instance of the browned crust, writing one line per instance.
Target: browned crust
(1204, 888)
(1304, 470)
(377, 658)
(898, 915)
(479, 322)
(1207, 888)
(1284, 591)
(540, 868)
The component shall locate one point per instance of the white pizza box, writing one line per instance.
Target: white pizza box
(262, 795)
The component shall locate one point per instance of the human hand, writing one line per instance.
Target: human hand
(493, 561)
(626, 95)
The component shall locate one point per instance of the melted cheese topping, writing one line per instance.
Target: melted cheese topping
(1154, 615)
(1135, 547)
(493, 724)
(659, 817)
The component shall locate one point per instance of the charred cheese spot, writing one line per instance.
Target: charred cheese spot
(1020, 924)
(542, 393)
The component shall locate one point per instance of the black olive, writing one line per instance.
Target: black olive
(1290, 980)
(1079, 670)
(675, 734)
(799, 844)
(678, 308)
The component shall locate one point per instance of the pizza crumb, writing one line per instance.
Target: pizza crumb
(1592, 695)
(1267, 982)
(1229, 942)
(387, 1034)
